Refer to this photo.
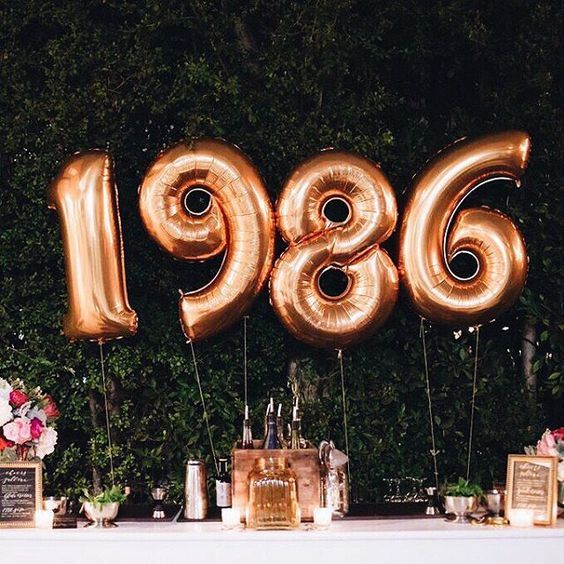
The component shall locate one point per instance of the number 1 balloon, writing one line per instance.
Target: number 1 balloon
(239, 220)
(431, 237)
(85, 196)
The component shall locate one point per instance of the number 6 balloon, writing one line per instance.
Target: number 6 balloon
(238, 219)
(431, 237)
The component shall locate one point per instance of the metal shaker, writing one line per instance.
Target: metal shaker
(195, 490)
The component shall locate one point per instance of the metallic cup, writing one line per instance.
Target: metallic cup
(195, 491)
(494, 502)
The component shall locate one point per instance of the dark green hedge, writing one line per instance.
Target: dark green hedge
(392, 80)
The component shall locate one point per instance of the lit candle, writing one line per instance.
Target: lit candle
(231, 517)
(522, 518)
(322, 517)
(44, 519)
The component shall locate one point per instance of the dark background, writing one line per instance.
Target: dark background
(393, 81)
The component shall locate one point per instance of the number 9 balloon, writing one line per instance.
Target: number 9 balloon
(431, 237)
(317, 245)
(238, 219)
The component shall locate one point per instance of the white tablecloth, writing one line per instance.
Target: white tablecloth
(348, 542)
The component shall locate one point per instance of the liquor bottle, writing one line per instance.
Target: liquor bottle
(295, 439)
(269, 408)
(271, 438)
(247, 433)
(280, 427)
(223, 485)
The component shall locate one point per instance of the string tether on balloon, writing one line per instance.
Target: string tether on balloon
(206, 416)
(107, 411)
(472, 409)
(434, 451)
(345, 418)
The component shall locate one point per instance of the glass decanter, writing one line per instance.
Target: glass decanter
(273, 496)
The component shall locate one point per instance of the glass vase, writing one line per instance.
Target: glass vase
(273, 496)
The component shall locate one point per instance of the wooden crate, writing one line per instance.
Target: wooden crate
(304, 462)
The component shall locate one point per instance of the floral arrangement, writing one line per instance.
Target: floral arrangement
(551, 444)
(26, 422)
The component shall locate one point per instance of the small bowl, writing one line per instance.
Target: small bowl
(460, 507)
(101, 515)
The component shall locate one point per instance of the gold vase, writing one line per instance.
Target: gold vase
(273, 496)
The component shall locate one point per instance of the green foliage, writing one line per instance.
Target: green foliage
(395, 81)
(463, 488)
(109, 495)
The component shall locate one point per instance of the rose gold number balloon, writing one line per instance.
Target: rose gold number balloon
(318, 244)
(427, 245)
(85, 196)
(239, 219)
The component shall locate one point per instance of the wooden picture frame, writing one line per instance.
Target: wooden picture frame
(532, 485)
(21, 493)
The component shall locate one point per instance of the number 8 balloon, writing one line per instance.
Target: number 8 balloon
(317, 245)
(239, 218)
(431, 238)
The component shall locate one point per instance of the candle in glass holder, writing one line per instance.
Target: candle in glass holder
(322, 517)
(231, 517)
(522, 518)
(44, 519)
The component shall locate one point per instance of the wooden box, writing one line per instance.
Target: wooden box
(304, 462)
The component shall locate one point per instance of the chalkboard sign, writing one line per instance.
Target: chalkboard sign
(531, 486)
(20, 493)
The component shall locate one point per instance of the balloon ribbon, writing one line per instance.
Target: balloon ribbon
(430, 404)
(206, 417)
(472, 410)
(106, 409)
(345, 419)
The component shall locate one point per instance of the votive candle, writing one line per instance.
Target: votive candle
(522, 518)
(322, 517)
(231, 517)
(44, 519)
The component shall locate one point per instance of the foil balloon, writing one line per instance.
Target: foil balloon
(85, 197)
(238, 221)
(431, 236)
(318, 243)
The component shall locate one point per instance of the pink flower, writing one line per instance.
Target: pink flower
(47, 442)
(36, 428)
(18, 398)
(547, 445)
(18, 431)
(51, 409)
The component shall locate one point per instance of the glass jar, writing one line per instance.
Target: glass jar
(273, 496)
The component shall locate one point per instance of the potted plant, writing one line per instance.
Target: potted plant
(461, 499)
(102, 508)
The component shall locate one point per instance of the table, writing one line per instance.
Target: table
(432, 541)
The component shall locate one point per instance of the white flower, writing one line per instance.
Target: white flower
(46, 443)
(22, 410)
(36, 412)
(5, 389)
(5, 411)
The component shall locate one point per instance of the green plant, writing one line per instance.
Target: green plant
(463, 488)
(109, 495)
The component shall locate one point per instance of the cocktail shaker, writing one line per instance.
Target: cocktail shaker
(195, 490)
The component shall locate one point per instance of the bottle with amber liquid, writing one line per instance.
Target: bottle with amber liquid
(296, 429)
(280, 427)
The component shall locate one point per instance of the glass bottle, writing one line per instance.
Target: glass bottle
(223, 485)
(280, 427)
(247, 441)
(271, 438)
(295, 438)
(273, 496)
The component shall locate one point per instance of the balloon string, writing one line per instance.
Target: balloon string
(345, 421)
(472, 410)
(430, 404)
(245, 357)
(206, 418)
(108, 428)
